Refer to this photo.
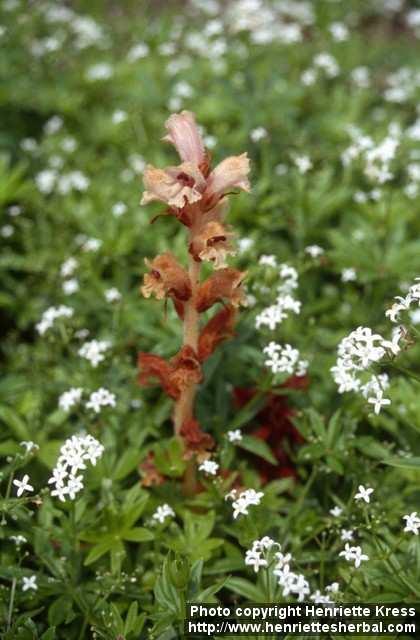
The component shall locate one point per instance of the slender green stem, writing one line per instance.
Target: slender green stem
(12, 599)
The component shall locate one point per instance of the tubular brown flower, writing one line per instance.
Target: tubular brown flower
(231, 173)
(183, 133)
(174, 375)
(219, 328)
(166, 278)
(197, 442)
(177, 186)
(225, 284)
(211, 244)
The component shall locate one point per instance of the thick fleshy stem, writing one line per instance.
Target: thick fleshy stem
(184, 406)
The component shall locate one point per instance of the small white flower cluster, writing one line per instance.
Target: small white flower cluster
(209, 466)
(303, 163)
(100, 398)
(284, 359)
(323, 63)
(70, 398)
(23, 485)
(112, 295)
(402, 85)
(353, 554)
(256, 557)
(18, 540)
(29, 446)
(280, 22)
(412, 523)
(348, 275)
(377, 158)
(49, 179)
(73, 456)
(285, 302)
(356, 353)
(70, 285)
(314, 250)
(403, 304)
(257, 134)
(51, 315)
(97, 399)
(234, 436)
(138, 51)
(94, 351)
(29, 583)
(68, 267)
(261, 555)
(361, 77)
(244, 499)
(99, 71)
(162, 512)
(363, 494)
(89, 245)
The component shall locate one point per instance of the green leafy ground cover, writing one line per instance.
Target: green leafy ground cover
(324, 97)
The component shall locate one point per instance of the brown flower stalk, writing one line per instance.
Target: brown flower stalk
(197, 196)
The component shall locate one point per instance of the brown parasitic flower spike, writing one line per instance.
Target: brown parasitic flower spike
(197, 196)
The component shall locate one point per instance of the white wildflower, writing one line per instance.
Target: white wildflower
(94, 351)
(209, 466)
(162, 512)
(412, 523)
(363, 493)
(51, 315)
(100, 398)
(70, 398)
(353, 554)
(235, 435)
(112, 295)
(22, 485)
(29, 583)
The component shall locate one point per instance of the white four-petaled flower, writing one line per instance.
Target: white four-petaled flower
(22, 485)
(363, 493)
(29, 583)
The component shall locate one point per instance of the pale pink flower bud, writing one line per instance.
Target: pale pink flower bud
(177, 186)
(185, 136)
(230, 173)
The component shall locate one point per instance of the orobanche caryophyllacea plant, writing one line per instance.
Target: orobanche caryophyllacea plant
(196, 195)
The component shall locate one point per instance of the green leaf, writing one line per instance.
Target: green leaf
(333, 429)
(257, 447)
(403, 463)
(59, 610)
(169, 457)
(98, 551)
(371, 448)
(166, 594)
(198, 527)
(245, 588)
(245, 415)
(138, 534)
(195, 578)
(131, 618)
(15, 423)
(48, 452)
(132, 513)
(206, 594)
(126, 464)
